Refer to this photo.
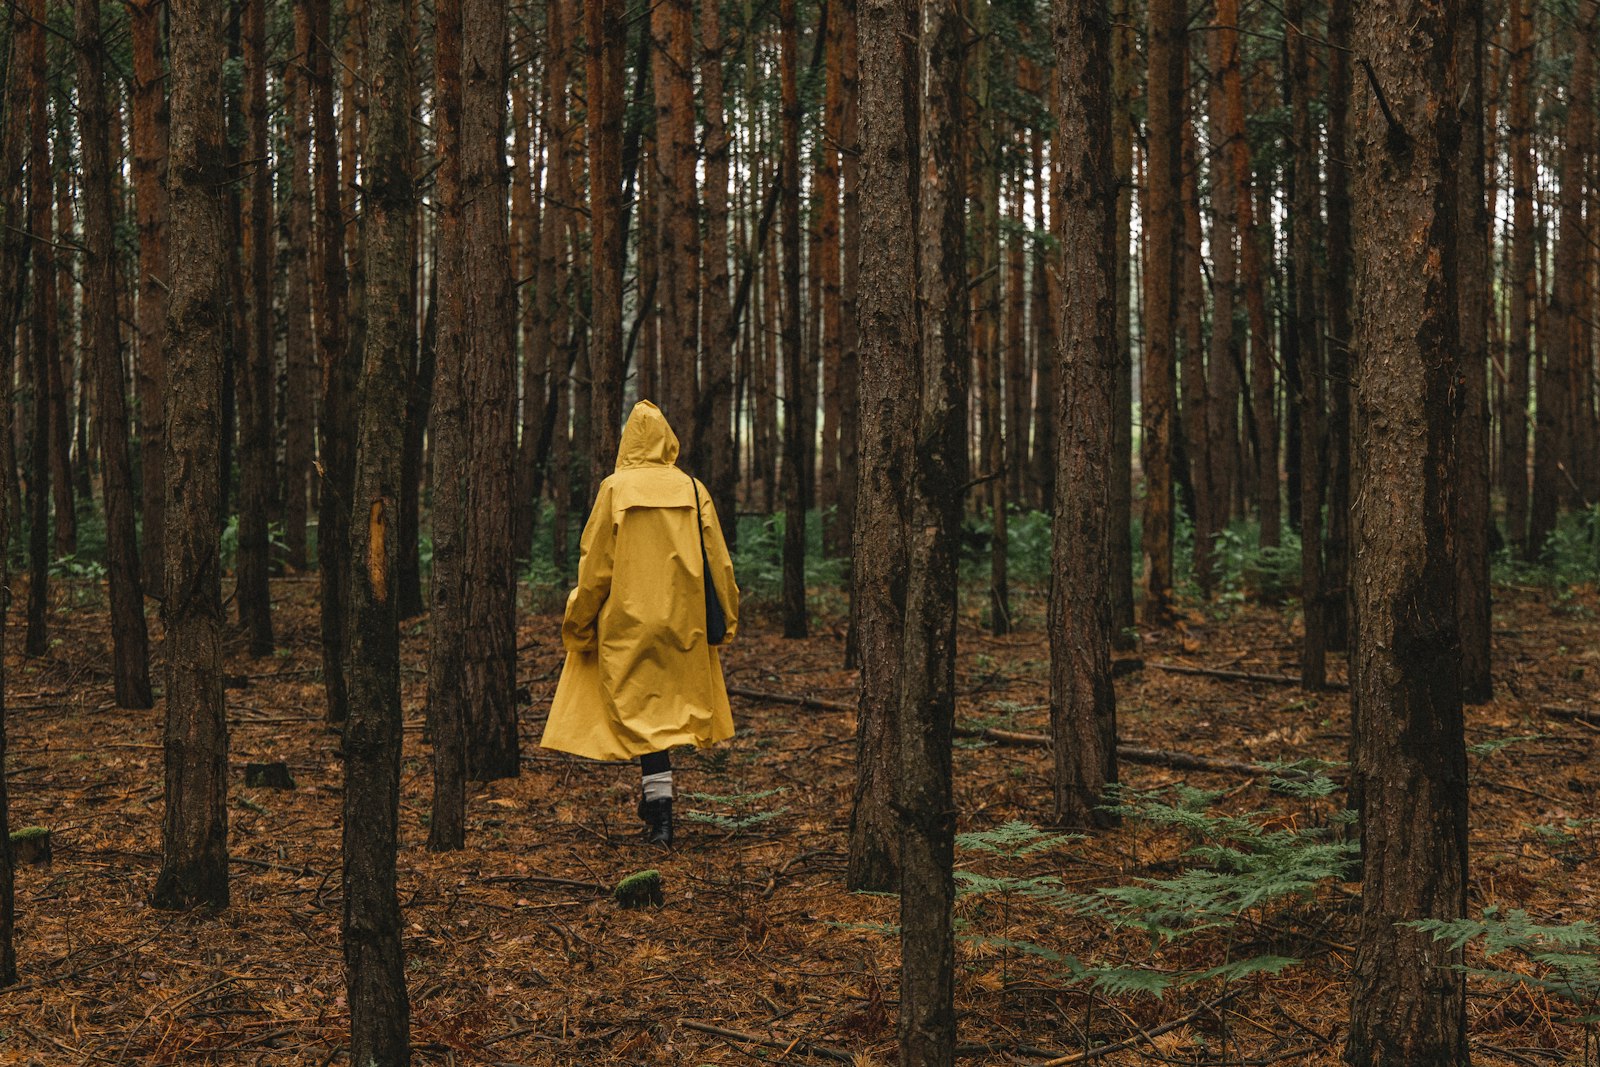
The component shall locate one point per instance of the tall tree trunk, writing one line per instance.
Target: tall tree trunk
(606, 29)
(529, 216)
(1226, 351)
(795, 443)
(1336, 549)
(256, 451)
(825, 198)
(1193, 487)
(1158, 392)
(300, 371)
(1303, 242)
(1123, 89)
(447, 696)
(1472, 519)
(844, 12)
(1521, 283)
(62, 485)
(926, 718)
(672, 23)
(1409, 997)
(375, 979)
(130, 643)
(150, 197)
(41, 334)
(13, 268)
(489, 387)
(717, 453)
(1083, 715)
(889, 346)
(1564, 369)
(328, 283)
(194, 837)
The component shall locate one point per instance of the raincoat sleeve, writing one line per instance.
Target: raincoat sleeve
(580, 630)
(721, 563)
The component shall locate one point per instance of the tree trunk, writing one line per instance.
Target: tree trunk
(1123, 88)
(375, 980)
(149, 146)
(889, 340)
(825, 198)
(672, 23)
(13, 268)
(1226, 351)
(1083, 711)
(1563, 372)
(529, 217)
(795, 443)
(328, 282)
(717, 453)
(844, 13)
(41, 334)
(489, 386)
(256, 446)
(926, 718)
(1473, 608)
(194, 838)
(606, 29)
(1336, 550)
(447, 697)
(1158, 391)
(130, 644)
(1193, 488)
(1409, 997)
(300, 372)
(1303, 241)
(62, 343)
(1521, 283)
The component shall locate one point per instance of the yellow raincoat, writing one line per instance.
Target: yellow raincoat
(639, 675)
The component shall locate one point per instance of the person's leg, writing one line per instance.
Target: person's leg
(655, 808)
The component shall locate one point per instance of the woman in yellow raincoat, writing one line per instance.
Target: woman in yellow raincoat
(640, 675)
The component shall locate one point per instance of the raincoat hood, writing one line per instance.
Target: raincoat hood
(647, 439)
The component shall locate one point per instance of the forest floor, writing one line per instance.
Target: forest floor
(517, 955)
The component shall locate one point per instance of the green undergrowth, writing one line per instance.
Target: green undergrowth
(1236, 899)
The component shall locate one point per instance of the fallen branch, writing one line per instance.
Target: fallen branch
(1583, 715)
(796, 1045)
(1241, 676)
(790, 698)
(1153, 757)
(541, 879)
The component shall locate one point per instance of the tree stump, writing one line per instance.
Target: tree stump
(31, 844)
(641, 890)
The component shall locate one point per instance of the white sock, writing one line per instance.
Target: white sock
(658, 786)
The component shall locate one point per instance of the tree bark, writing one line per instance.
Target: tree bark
(328, 282)
(1083, 716)
(889, 346)
(1123, 89)
(489, 392)
(1521, 283)
(672, 24)
(1158, 391)
(256, 446)
(606, 29)
(1564, 369)
(63, 341)
(374, 961)
(795, 443)
(40, 334)
(447, 676)
(1409, 996)
(926, 717)
(1473, 607)
(13, 268)
(194, 839)
(149, 152)
(1336, 549)
(1226, 354)
(300, 373)
(1303, 242)
(717, 455)
(130, 642)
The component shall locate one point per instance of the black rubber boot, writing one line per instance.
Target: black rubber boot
(657, 816)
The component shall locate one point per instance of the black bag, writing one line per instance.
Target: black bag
(716, 619)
